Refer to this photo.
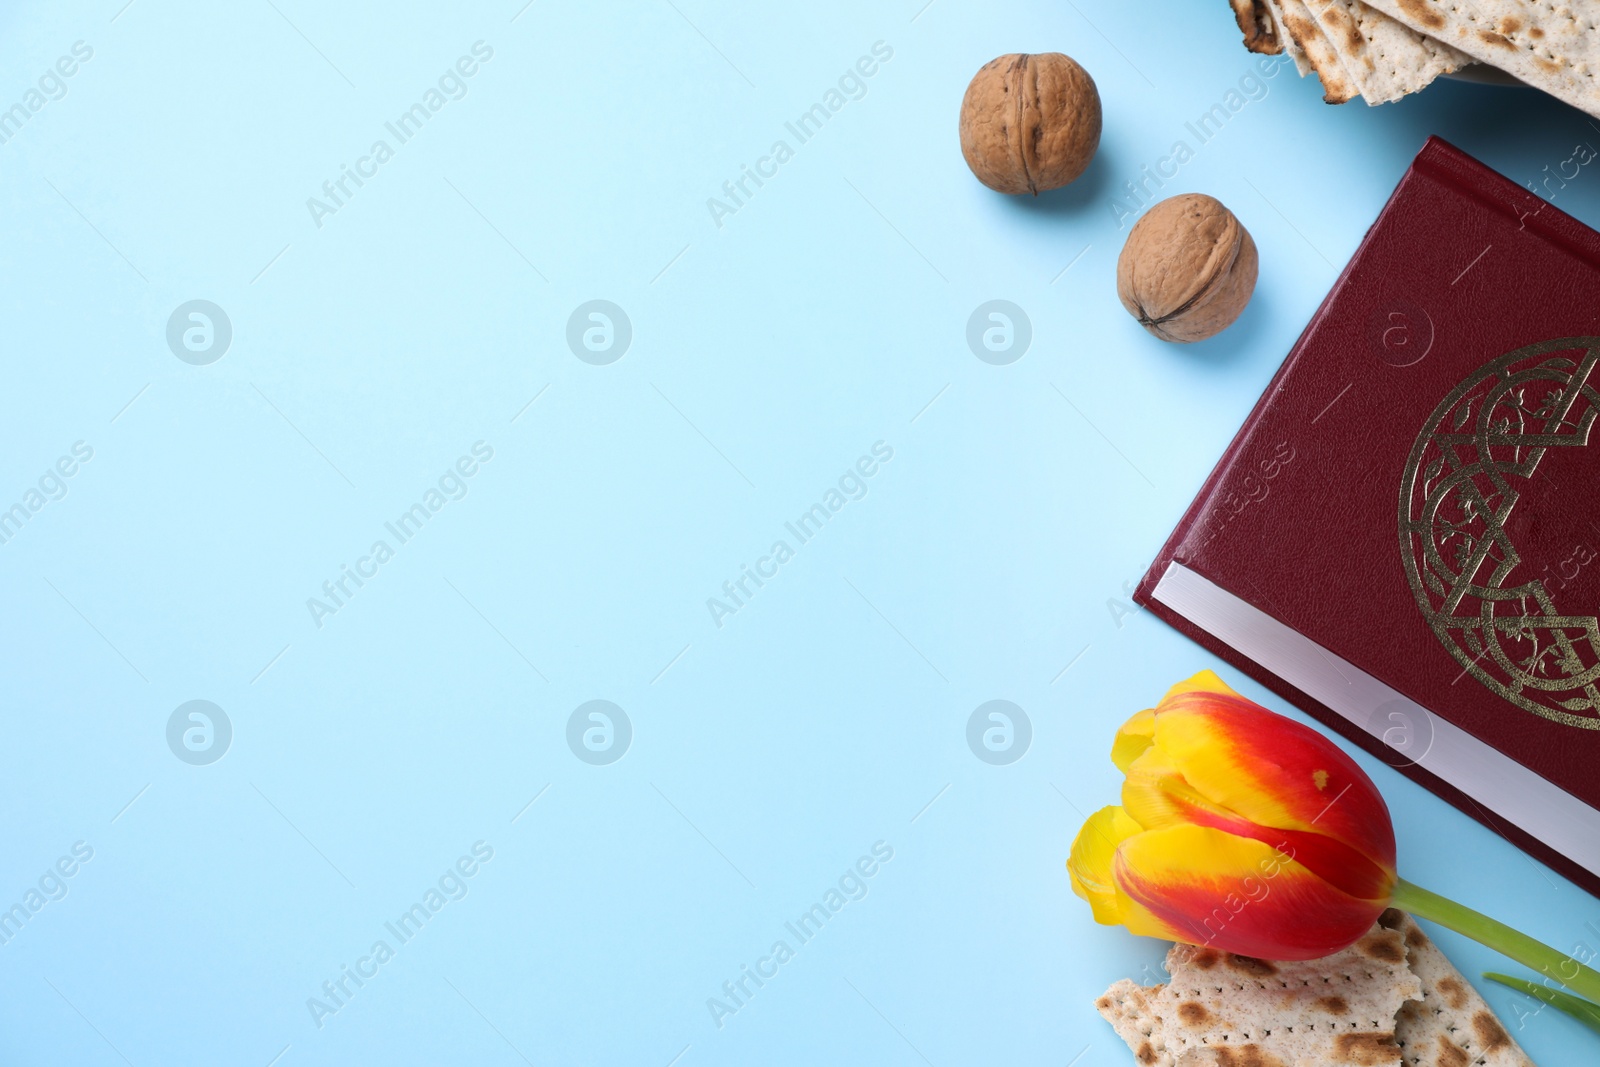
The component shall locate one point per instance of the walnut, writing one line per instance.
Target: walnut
(1030, 123)
(1188, 269)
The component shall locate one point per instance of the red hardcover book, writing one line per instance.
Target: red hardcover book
(1404, 538)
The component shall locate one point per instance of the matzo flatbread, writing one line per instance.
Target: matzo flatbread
(1451, 1024)
(1260, 29)
(1385, 59)
(1552, 45)
(1226, 1010)
(1304, 29)
(1290, 47)
(1243, 1056)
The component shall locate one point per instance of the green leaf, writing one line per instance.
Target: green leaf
(1586, 1013)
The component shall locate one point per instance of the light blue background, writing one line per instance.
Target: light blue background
(991, 554)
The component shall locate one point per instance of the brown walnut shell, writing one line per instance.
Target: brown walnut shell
(1030, 123)
(1188, 269)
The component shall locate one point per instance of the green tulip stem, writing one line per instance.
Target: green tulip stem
(1581, 1010)
(1497, 935)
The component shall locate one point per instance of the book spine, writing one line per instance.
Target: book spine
(1444, 162)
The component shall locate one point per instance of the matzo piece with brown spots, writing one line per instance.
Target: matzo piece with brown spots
(1551, 46)
(1450, 1025)
(1221, 1010)
(1386, 59)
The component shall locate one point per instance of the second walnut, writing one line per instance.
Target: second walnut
(1187, 269)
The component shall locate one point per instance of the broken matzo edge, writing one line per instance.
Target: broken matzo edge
(1385, 59)
(1306, 31)
(1260, 29)
(1339, 1010)
(1551, 46)
(1290, 46)
(1451, 1024)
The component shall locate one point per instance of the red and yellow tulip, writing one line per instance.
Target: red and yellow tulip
(1247, 832)
(1238, 828)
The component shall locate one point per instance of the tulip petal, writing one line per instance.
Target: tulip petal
(1238, 895)
(1138, 733)
(1273, 772)
(1135, 736)
(1202, 682)
(1157, 796)
(1089, 867)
